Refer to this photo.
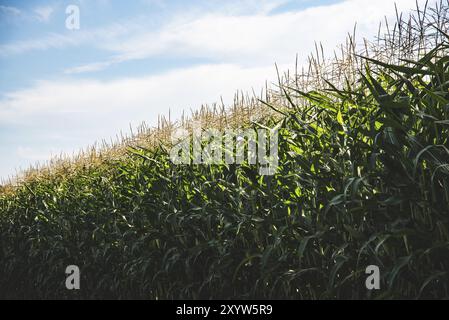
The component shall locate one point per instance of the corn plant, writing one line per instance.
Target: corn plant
(363, 179)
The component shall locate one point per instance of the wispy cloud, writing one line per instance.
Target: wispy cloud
(109, 36)
(8, 10)
(96, 66)
(44, 14)
(69, 39)
(131, 99)
(251, 39)
(245, 31)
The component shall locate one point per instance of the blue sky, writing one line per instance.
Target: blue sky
(62, 90)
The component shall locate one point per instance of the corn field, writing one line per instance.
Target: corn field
(363, 179)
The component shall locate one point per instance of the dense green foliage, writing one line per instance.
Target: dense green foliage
(363, 179)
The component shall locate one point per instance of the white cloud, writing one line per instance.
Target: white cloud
(252, 39)
(115, 104)
(91, 67)
(44, 14)
(246, 31)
